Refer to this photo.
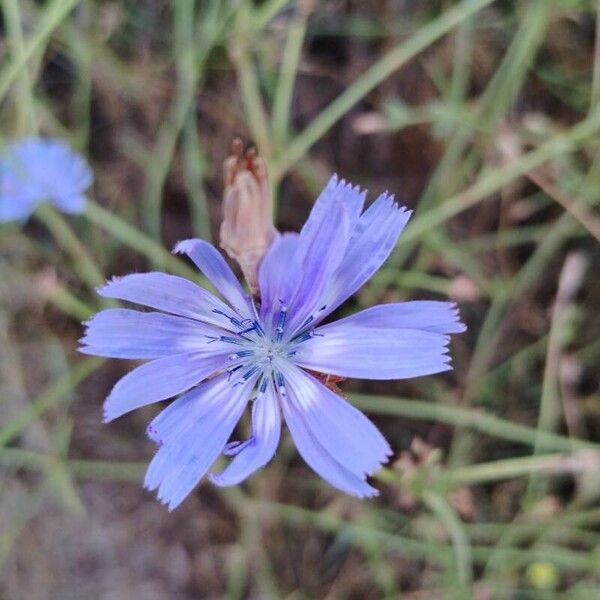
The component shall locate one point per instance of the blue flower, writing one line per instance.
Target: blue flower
(34, 170)
(223, 355)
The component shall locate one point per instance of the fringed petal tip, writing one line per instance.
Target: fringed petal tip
(455, 311)
(369, 491)
(184, 246)
(345, 187)
(168, 503)
(106, 417)
(152, 433)
(101, 290)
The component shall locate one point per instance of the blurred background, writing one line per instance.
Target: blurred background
(484, 117)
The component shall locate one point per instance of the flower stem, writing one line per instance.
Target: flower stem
(66, 238)
(460, 540)
(51, 19)
(58, 392)
(471, 418)
(379, 72)
(140, 242)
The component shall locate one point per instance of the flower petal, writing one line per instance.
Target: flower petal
(349, 350)
(124, 333)
(72, 204)
(372, 241)
(336, 191)
(208, 259)
(344, 431)
(322, 251)
(279, 276)
(314, 449)
(259, 449)
(161, 379)
(426, 315)
(192, 432)
(14, 208)
(170, 293)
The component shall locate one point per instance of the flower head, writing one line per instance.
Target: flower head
(34, 170)
(222, 354)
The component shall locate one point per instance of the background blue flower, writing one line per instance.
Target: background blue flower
(35, 170)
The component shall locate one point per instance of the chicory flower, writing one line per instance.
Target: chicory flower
(35, 170)
(271, 352)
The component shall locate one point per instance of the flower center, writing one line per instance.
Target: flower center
(258, 349)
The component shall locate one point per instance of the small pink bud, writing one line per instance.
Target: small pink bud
(247, 229)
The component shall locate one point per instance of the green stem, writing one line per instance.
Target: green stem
(558, 464)
(460, 540)
(266, 11)
(66, 238)
(133, 238)
(54, 395)
(595, 91)
(376, 74)
(190, 61)
(256, 116)
(24, 105)
(463, 417)
(51, 20)
(495, 179)
(68, 303)
(282, 101)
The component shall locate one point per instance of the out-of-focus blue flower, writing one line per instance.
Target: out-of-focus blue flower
(35, 170)
(223, 355)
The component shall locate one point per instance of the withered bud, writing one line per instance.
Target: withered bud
(247, 229)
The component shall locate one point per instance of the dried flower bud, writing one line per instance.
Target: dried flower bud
(247, 229)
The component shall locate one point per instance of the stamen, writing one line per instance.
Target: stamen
(259, 329)
(254, 327)
(279, 379)
(306, 336)
(241, 354)
(250, 372)
(233, 320)
(232, 371)
(307, 322)
(247, 330)
(303, 337)
(231, 340)
(281, 322)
